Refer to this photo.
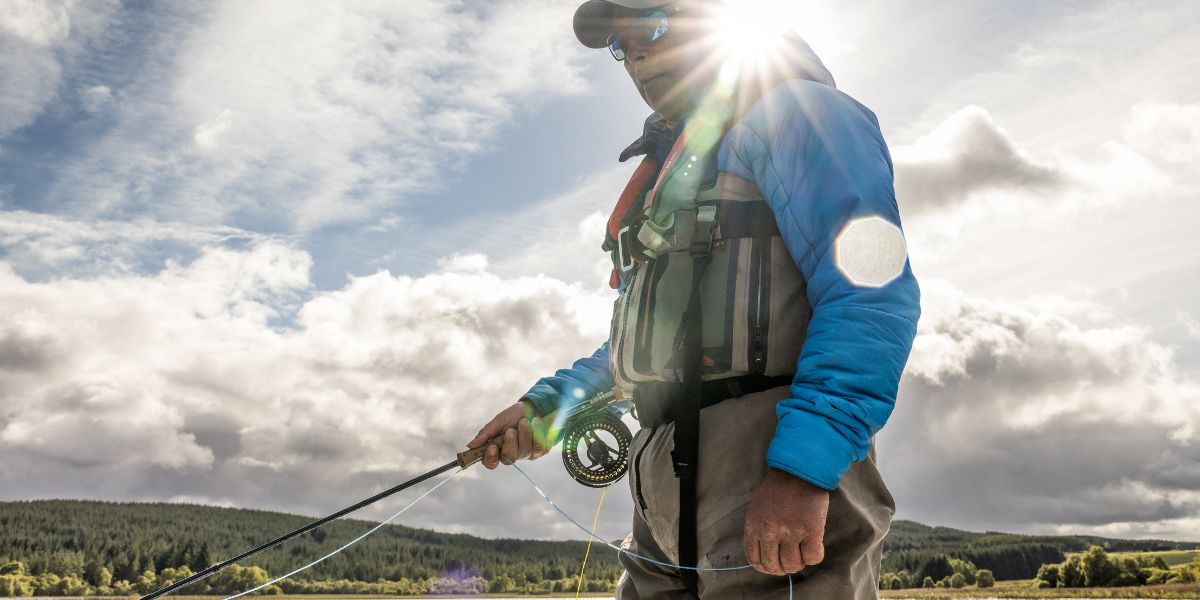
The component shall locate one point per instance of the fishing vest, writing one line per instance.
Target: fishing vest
(752, 304)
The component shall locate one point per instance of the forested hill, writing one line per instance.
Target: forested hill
(910, 535)
(82, 538)
(909, 545)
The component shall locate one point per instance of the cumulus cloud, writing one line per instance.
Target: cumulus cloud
(1050, 414)
(180, 383)
(969, 162)
(965, 154)
(320, 114)
(986, 212)
(1015, 416)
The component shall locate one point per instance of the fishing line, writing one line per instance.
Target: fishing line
(610, 544)
(353, 541)
(464, 460)
(592, 536)
(588, 552)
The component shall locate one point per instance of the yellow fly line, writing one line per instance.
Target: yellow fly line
(595, 520)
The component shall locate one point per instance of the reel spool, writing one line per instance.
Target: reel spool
(595, 448)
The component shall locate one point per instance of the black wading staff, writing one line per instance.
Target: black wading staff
(464, 460)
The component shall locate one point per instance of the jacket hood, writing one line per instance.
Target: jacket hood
(793, 59)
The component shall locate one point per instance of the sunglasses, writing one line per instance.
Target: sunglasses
(645, 30)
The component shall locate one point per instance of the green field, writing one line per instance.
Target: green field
(379, 597)
(348, 597)
(1023, 589)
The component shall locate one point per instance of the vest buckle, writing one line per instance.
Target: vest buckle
(706, 229)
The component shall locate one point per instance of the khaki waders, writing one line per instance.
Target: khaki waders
(733, 449)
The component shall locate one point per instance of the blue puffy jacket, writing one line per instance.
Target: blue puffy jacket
(820, 161)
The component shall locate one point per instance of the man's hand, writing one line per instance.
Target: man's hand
(524, 436)
(785, 524)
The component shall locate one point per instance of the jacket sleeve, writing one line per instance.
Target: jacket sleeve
(568, 387)
(822, 164)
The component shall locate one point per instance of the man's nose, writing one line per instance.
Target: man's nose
(636, 52)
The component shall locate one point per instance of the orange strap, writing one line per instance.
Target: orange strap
(641, 177)
(672, 158)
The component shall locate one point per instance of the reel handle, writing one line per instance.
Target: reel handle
(469, 457)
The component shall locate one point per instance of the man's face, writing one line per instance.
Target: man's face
(673, 71)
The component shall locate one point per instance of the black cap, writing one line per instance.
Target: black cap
(595, 20)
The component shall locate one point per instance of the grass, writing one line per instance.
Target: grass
(372, 596)
(1023, 589)
(1003, 590)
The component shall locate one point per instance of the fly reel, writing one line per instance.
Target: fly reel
(595, 447)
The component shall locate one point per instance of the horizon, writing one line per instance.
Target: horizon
(536, 539)
(582, 540)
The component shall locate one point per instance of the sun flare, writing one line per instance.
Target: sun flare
(752, 30)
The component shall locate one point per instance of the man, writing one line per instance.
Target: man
(764, 278)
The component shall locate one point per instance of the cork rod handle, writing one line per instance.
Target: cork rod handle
(467, 458)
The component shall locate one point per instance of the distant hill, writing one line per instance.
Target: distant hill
(1008, 555)
(79, 537)
(75, 537)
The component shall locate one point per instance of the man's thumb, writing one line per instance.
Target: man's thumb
(484, 435)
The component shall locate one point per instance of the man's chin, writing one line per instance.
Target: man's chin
(672, 108)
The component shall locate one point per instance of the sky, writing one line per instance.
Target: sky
(284, 255)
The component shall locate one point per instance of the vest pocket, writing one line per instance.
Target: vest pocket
(754, 313)
(637, 469)
(619, 334)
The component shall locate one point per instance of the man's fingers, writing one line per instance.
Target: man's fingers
(750, 547)
(491, 457)
(524, 439)
(541, 436)
(813, 549)
(790, 558)
(537, 435)
(508, 451)
(768, 553)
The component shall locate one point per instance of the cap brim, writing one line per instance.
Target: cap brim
(594, 23)
(595, 20)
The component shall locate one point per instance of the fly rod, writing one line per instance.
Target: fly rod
(464, 459)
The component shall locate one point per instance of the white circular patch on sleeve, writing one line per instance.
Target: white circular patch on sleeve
(870, 251)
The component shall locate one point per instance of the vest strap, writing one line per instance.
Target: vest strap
(652, 399)
(685, 456)
(746, 219)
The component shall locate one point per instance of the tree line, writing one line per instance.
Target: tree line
(16, 582)
(76, 548)
(1096, 568)
(938, 571)
(1011, 561)
(916, 548)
